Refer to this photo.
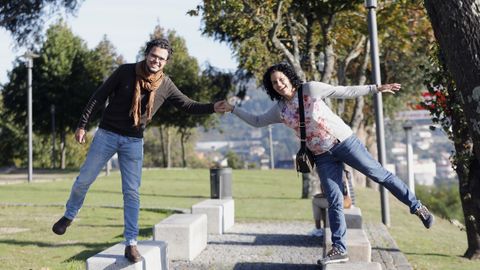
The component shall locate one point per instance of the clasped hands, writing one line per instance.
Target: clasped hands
(222, 106)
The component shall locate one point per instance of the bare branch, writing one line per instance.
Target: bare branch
(295, 62)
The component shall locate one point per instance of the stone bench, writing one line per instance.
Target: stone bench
(358, 245)
(154, 257)
(220, 214)
(353, 215)
(353, 218)
(353, 266)
(185, 234)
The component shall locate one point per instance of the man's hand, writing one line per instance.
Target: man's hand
(222, 106)
(219, 106)
(80, 135)
(390, 88)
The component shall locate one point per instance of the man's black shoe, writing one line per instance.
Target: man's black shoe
(132, 254)
(425, 216)
(60, 227)
(334, 255)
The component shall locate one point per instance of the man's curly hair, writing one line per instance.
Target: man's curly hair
(288, 71)
(161, 43)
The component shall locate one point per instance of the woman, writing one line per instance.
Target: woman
(332, 142)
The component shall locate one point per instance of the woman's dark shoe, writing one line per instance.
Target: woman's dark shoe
(60, 227)
(425, 216)
(132, 254)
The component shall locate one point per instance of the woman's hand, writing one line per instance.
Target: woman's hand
(222, 106)
(389, 88)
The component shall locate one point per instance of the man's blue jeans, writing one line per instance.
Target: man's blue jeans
(330, 170)
(130, 157)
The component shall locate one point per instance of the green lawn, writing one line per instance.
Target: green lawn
(27, 212)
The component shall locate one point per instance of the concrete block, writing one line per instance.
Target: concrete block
(154, 257)
(220, 214)
(353, 218)
(185, 234)
(353, 266)
(358, 245)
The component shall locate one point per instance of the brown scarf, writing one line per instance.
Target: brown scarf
(148, 81)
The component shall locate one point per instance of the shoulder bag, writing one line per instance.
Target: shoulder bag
(304, 160)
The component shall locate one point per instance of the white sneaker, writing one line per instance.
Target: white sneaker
(316, 232)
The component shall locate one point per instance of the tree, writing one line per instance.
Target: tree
(454, 24)
(65, 75)
(322, 40)
(12, 139)
(25, 19)
(234, 161)
(185, 72)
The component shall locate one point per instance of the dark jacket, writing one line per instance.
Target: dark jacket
(119, 87)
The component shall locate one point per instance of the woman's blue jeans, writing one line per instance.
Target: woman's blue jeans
(130, 157)
(330, 170)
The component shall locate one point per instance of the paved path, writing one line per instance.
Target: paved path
(282, 246)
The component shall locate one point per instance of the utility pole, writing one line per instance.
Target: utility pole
(371, 5)
(272, 160)
(29, 56)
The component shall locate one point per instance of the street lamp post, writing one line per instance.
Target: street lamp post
(52, 113)
(371, 5)
(29, 56)
(408, 132)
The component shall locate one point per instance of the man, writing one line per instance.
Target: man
(135, 92)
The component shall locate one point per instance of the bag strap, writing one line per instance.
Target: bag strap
(301, 112)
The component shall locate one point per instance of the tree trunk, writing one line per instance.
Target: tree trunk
(63, 149)
(169, 149)
(162, 147)
(358, 116)
(469, 192)
(182, 144)
(455, 24)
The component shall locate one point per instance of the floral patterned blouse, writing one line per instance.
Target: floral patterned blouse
(319, 137)
(323, 127)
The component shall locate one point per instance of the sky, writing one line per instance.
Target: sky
(128, 25)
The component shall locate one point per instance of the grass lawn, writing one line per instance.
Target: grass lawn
(27, 212)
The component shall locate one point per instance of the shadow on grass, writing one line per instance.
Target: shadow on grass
(386, 249)
(54, 245)
(161, 211)
(260, 197)
(142, 232)
(293, 240)
(101, 225)
(145, 232)
(175, 196)
(430, 254)
(274, 266)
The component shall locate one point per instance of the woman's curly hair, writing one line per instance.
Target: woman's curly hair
(285, 69)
